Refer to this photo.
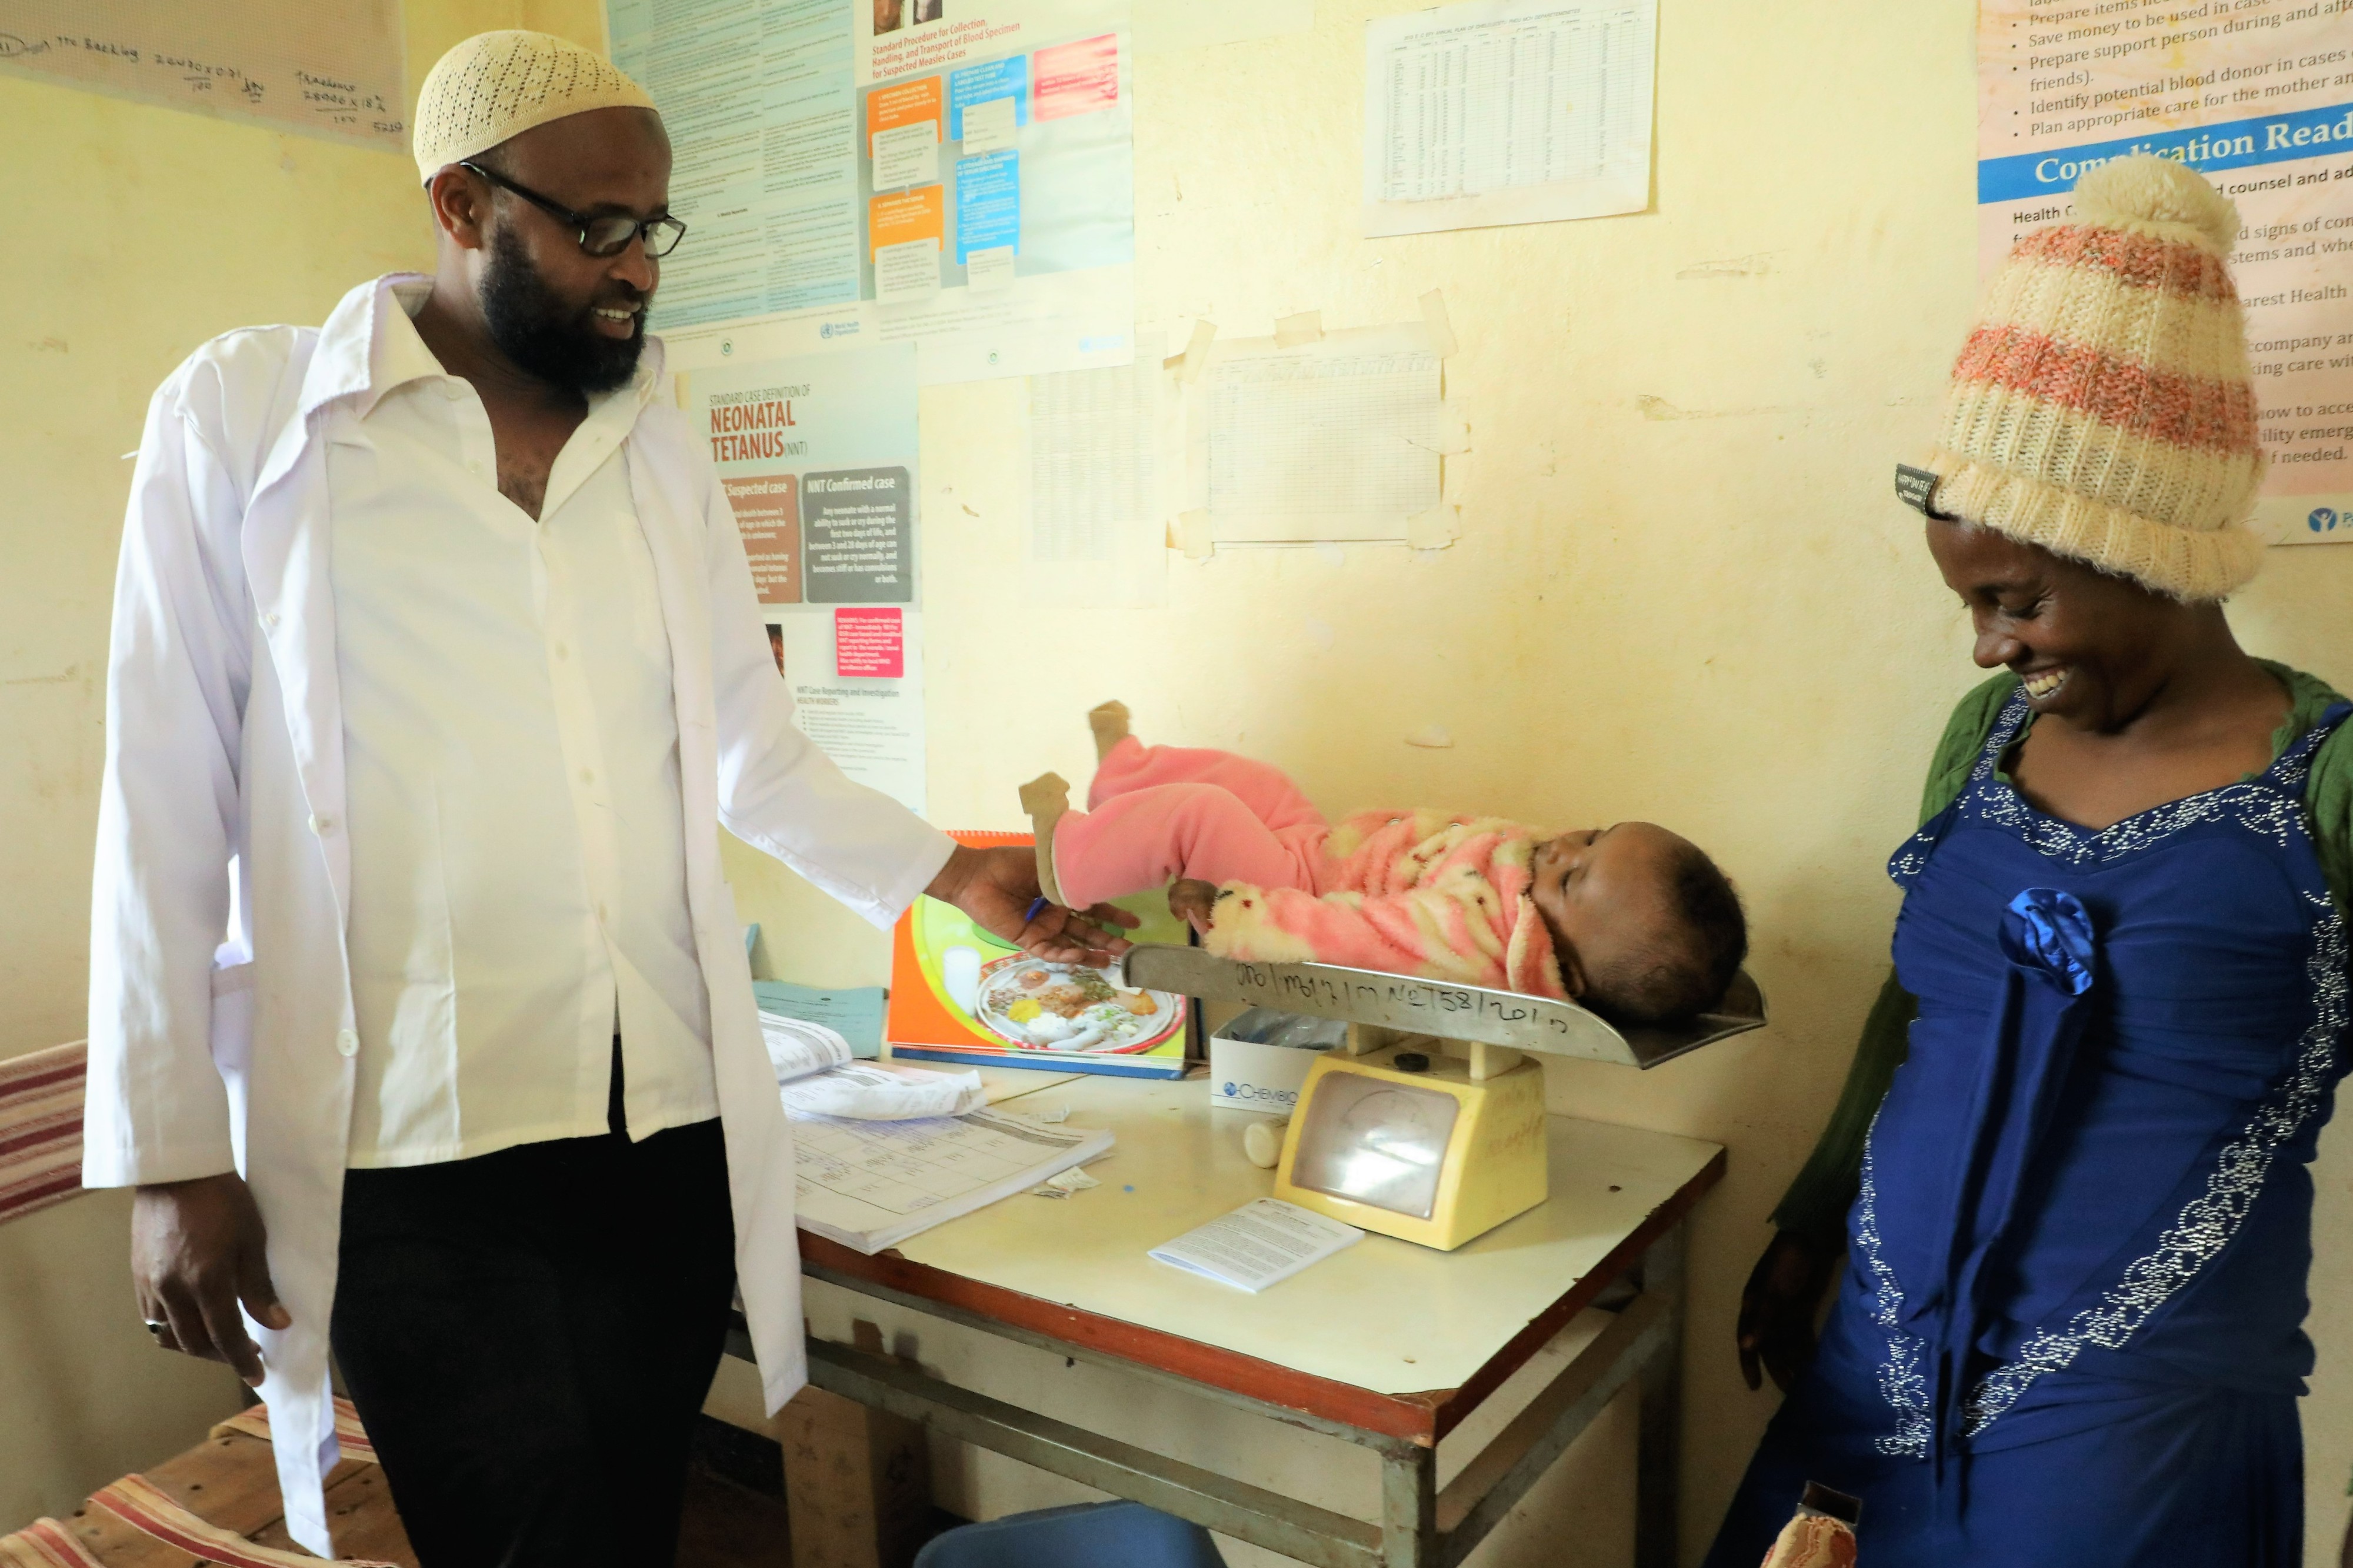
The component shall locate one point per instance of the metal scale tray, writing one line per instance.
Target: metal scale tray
(1433, 1007)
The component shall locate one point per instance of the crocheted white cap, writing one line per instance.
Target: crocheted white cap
(497, 85)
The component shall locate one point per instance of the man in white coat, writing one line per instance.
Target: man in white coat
(419, 1010)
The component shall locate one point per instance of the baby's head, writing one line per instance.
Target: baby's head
(1647, 930)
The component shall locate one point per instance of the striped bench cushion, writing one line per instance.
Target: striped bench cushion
(40, 1129)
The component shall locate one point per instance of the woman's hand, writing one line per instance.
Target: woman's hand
(1777, 1306)
(996, 887)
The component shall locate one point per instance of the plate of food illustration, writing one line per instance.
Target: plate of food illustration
(1040, 1007)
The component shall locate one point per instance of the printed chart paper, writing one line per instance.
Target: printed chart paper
(1506, 111)
(958, 178)
(2257, 95)
(1107, 454)
(817, 456)
(873, 1184)
(324, 68)
(1332, 441)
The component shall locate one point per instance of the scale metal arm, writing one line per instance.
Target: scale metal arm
(1470, 1013)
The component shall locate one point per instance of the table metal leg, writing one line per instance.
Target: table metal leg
(1657, 1463)
(1409, 1509)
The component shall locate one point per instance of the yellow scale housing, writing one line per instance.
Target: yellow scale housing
(1437, 1156)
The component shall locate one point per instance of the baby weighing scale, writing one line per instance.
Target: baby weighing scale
(1429, 1123)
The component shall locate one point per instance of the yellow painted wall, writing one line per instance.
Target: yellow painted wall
(138, 232)
(1683, 593)
(1684, 590)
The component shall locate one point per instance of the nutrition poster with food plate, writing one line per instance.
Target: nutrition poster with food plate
(2257, 95)
(958, 174)
(817, 456)
(960, 992)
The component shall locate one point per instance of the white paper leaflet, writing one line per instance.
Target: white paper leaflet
(1258, 1244)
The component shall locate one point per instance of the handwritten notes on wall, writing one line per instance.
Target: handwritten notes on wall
(330, 67)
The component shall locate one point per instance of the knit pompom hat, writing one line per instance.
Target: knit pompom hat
(2102, 408)
(498, 85)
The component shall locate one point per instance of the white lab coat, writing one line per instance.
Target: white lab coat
(224, 761)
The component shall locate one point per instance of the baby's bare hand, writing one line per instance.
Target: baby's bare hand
(1193, 900)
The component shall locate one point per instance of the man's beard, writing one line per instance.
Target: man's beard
(534, 329)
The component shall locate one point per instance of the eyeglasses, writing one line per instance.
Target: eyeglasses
(608, 234)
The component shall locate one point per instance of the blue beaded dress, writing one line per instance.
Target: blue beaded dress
(2071, 1330)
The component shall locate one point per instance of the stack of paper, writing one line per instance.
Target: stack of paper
(1258, 1244)
(873, 1184)
(884, 1092)
(817, 1077)
(797, 1049)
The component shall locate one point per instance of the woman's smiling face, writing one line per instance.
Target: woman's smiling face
(2087, 646)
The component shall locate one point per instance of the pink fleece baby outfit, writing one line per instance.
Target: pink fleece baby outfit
(1430, 893)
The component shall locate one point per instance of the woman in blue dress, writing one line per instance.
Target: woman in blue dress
(2077, 1215)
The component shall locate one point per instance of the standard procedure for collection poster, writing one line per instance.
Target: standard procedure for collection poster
(2257, 95)
(818, 455)
(958, 174)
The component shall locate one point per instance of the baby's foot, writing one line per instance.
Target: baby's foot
(1109, 723)
(1194, 901)
(1047, 799)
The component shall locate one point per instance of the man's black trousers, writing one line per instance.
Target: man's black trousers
(529, 1336)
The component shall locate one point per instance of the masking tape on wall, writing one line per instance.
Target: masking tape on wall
(1306, 327)
(1190, 365)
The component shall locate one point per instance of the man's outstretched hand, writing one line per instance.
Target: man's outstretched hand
(197, 1250)
(995, 889)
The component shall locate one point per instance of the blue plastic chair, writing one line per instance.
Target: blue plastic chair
(1089, 1535)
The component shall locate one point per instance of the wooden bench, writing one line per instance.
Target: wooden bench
(218, 1502)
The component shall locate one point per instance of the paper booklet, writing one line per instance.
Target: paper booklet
(964, 995)
(798, 1048)
(884, 1092)
(1258, 1244)
(873, 1184)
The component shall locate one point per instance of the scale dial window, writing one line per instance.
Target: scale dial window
(1376, 1142)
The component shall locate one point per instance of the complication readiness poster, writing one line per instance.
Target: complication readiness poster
(2257, 95)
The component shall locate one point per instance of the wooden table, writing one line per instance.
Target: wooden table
(1387, 1345)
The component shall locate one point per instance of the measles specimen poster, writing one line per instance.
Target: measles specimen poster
(2257, 95)
(818, 455)
(958, 174)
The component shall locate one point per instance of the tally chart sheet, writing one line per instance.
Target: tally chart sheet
(2257, 95)
(957, 174)
(1336, 439)
(1504, 111)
